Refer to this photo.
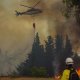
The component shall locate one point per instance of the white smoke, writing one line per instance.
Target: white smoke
(16, 37)
(17, 32)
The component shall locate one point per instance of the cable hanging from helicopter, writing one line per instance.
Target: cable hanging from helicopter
(32, 11)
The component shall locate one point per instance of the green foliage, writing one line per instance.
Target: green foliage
(40, 63)
(59, 43)
(49, 48)
(58, 53)
(38, 72)
(67, 52)
(33, 71)
(49, 55)
(68, 47)
(37, 54)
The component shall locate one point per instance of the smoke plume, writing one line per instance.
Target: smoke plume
(17, 33)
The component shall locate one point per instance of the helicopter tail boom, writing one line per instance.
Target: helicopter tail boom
(17, 13)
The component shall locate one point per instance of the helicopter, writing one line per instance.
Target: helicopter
(31, 11)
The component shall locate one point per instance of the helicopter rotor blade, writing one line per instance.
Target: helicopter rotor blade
(33, 6)
(26, 6)
(37, 3)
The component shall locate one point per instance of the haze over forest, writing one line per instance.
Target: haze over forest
(17, 33)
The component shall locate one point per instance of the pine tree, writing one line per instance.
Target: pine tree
(58, 53)
(68, 48)
(35, 58)
(58, 45)
(67, 52)
(37, 54)
(49, 55)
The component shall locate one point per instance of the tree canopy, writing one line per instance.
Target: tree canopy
(72, 8)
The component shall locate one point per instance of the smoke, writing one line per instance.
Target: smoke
(73, 32)
(16, 33)
(56, 65)
(16, 37)
(58, 24)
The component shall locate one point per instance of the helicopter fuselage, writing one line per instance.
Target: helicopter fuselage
(31, 11)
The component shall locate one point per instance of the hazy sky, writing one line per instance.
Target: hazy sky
(16, 37)
(17, 33)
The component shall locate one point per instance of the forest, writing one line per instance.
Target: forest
(48, 60)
